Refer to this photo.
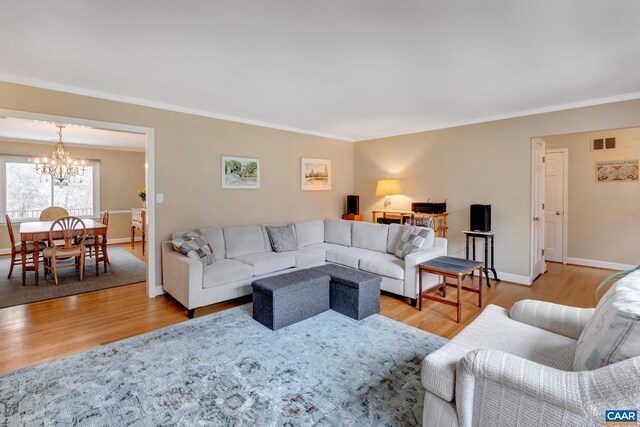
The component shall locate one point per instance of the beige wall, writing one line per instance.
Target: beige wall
(187, 162)
(122, 173)
(484, 163)
(604, 218)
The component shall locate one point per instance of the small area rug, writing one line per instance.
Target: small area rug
(226, 369)
(125, 268)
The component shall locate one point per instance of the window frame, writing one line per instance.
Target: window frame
(16, 158)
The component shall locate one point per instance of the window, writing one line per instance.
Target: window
(26, 194)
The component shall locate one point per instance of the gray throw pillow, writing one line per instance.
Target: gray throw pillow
(194, 245)
(283, 239)
(413, 238)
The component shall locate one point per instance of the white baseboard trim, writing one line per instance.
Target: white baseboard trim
(514, 278)
(599, 264)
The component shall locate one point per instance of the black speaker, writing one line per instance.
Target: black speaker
(353, 205)
(480, 218)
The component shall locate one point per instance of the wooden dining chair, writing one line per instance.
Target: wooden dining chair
(95, 242)
(16, 248)
(53, 213)
(73, 234)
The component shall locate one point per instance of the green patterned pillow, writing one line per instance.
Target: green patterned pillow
(194, 245)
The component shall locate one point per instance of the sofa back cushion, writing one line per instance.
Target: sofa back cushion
(245, 240)
(309, 232)
(216, 239)
(613, 333)
(395, 233)
(337, 231)
(371, 236)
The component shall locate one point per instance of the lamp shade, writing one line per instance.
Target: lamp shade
(388, 187)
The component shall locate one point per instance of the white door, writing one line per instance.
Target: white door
(554, 206)
(537, 210)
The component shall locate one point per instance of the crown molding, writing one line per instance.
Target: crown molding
(524, 113)
(160, 105)
(186, 110)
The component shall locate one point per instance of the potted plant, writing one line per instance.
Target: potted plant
(142, 193)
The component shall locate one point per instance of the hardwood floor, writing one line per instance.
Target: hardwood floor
(34, 333)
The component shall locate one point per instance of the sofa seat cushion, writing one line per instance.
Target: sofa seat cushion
(268, 262)
(225, 271)
(494, 329)
(350, 256)
(309, 256)
(327, 247)
(384, 265)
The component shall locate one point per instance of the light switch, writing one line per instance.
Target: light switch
(159, 197)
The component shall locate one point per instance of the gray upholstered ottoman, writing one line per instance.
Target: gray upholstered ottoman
(283, 300)
(354, 293)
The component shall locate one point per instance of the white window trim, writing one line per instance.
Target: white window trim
(8, 158)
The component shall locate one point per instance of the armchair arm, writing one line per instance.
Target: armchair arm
(181, 277)
(498, 389)
(561, 319)
(411, 267)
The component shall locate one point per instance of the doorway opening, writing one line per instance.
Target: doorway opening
(121, 159)
(590, 199)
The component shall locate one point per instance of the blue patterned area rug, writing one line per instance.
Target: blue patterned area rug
(226, 369)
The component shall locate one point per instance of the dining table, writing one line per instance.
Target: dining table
(39, 230)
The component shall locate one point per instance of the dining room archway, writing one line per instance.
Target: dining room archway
(122, 146)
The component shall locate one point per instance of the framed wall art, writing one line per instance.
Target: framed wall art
(240, 173)
(315, 174)
(617, 171)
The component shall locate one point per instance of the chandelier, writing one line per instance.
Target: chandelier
(60, 166)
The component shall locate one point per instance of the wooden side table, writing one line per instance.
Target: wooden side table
(138, 220)
(487, 236)
(455, 268)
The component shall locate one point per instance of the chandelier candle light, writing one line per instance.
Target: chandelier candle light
(60, 166)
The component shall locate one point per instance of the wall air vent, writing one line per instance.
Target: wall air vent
(600, 144)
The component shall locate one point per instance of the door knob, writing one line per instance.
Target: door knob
(535, 218)
(558, 213)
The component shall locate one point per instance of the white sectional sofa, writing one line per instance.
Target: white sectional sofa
(244, 254)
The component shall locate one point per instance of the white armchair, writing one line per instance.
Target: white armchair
(516, 369)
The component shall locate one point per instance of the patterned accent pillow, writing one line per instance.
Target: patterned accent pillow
(194, 245)
(283, 239)
(412, 239)
(613, 333)
(425, 222)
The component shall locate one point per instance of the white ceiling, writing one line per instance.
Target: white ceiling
(12, 128)
(355, 69)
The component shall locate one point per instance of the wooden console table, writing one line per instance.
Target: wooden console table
(439, 220)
